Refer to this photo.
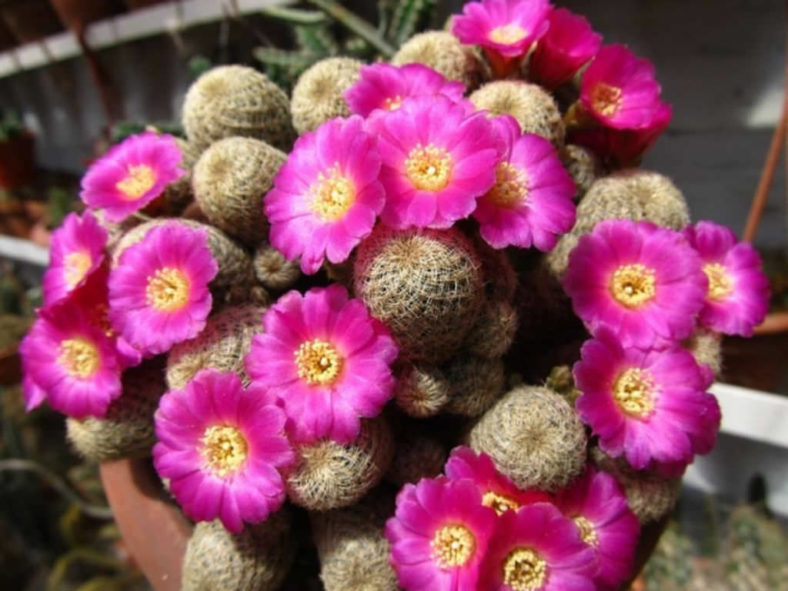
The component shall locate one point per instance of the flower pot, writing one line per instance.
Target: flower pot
(17, 161)
(29, 20)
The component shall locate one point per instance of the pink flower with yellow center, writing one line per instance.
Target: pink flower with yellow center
(737, 299)
(536, 548)
(326, 197)
(598, 506)
(385, 87)
(222, 449)
(569, 43)
(437, 160)
(619, 89)
(505, 29)
(648, 405)
(642, 281)
(132, 174)
(530, 203)
(70, 362)
(158, 293)
(327, 361)
(77, 251)
(439, 535)
(498, 492)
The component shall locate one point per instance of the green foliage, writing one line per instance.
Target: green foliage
(123, 129)
(198, 65)
(10, 126)
(59, 204)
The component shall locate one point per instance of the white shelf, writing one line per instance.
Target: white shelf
(24, 251)
(163, 18)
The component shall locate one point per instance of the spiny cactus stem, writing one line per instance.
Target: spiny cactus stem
(355, 24)
(295, 16)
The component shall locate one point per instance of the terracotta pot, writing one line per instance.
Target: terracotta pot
(17, 161)
(10, 366)
(156, 533)
(77, 14)
(758, 362)
(29, 20)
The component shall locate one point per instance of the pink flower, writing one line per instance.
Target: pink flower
(597, 505)
(327, 361)
(505, 29)
(569, 43)
(76, 252)
(158, 293)
(643, 281)
(132, 174)
(648, 405)
(530, 203)
(437, 160)
(619, 89)
(623, 147)
(498, 492)
(385, 87)
(738, 296)
(439, 535)
(70, 362)
(537, 548)
(222, 449)
(327, 196)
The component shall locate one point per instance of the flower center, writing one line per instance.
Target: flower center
(720, 283)
(318, 363)
(587, 532)
(333, 194)
(507, 34)
(633, 285)
(76, 266)
(511, 186)
(168, 290)
(224, 449)
(633, 391)
(79, 357)
(392, 103)
(453, 545)
(429, 169)
(606, 99)
(499, 503)
(138, 181)
(524, 570)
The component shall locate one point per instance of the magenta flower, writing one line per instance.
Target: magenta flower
(505, 29)
(498, 492)
(619, 89)
(530, 203)
(327, 361)
(385, 87)
(439, 535)
(648, 405)
(597, 505)
(738, 296)
(642, 281)
(326, 197)
(537, 548)
(158, 293)
(76, 252)
(437, 160)
(222, 448)
(569, 43)
(132, 174)
(70, 362)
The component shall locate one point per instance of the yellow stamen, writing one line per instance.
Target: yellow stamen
(633, 285)
(453, 545)
(720, 282)
(511, 186)
(332, 195)
(498, 502)
(138, 181)
(168, 289)
(634, 392)
(587, 532)
(507, 34)
(79, 357)
(392, 103)
(224, 449)
(75, 267)
(318, 363)
(524, 570)
(429, 169)
(606, 99)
